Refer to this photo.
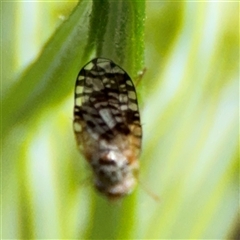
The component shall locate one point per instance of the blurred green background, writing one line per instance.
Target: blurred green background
(189, 100)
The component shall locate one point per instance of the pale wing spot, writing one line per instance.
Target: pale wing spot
(101, 73)
(107, 117)
(116, 69)
(92, 99)
(97, 85)
(100, 104)
(129, 82)
(89, 66)
(99, 130)
(87, 90)
(136, 141)
(89, 111)
(123, 98)
(93, 134)
(99, 120)
(86, 98)
(97, 88)
(79, 89)
(105, 80)
(137, 130)
(118, 119)
(115, 111)
(103, 144)
(78, 101)
(104, 65)
(124, 107)
(80, 77)
(132, 95)
(102, 60)
(114, 104)
(133, 106)
(113, 94)
(97, 73)
(94, 72)
(88, 81)
(77, 127)
(76, 110)
(113, 101)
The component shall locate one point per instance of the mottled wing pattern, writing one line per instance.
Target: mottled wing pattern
(105, 106)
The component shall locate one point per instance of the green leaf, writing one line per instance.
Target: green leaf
(51, 77)
(190, 124)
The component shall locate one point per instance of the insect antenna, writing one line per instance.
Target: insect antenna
(154, 196)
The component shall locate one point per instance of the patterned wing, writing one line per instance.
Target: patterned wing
(105, 106)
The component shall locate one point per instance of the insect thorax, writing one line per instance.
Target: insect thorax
(115, 174)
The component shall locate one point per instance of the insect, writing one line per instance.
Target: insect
(107, 126)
